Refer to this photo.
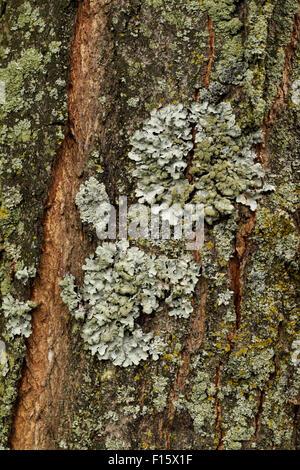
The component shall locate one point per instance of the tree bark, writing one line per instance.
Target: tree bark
(80, 78)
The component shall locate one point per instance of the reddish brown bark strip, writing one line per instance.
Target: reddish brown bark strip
(211, 52)
(236, 275)
(43, 397)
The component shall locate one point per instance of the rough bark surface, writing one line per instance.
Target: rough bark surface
(43, 388)
(229, 377)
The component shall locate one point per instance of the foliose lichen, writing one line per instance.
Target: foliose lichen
(196, 155)
(91, 197)
(18, 317)
(160, 150)
(296, 92)
(295, 358)
(120, 283)
(25, 274)
(4, 368)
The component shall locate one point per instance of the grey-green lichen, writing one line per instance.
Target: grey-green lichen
(201, 403)
(4, 368)
(160, 150)
(296, 92)
(93, 204)
(25, 273)
(18, 317)
(295, 358)
(160, 384)
(120, 283)
(222, 169)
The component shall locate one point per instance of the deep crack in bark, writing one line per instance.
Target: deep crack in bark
(211, 52)
(236, 272)
(282, 92)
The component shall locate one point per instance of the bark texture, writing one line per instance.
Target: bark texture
(80, 79)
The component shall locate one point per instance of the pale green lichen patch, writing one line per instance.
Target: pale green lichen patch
(25, 273)
(201, 404)
(120, 283)
(296, 92)
(3, 359)
(160, 150)
(223, 167)
(159, 391)
(14, 75)
(295, 357)
(17, 314)
(29, 17)
(93, 204)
